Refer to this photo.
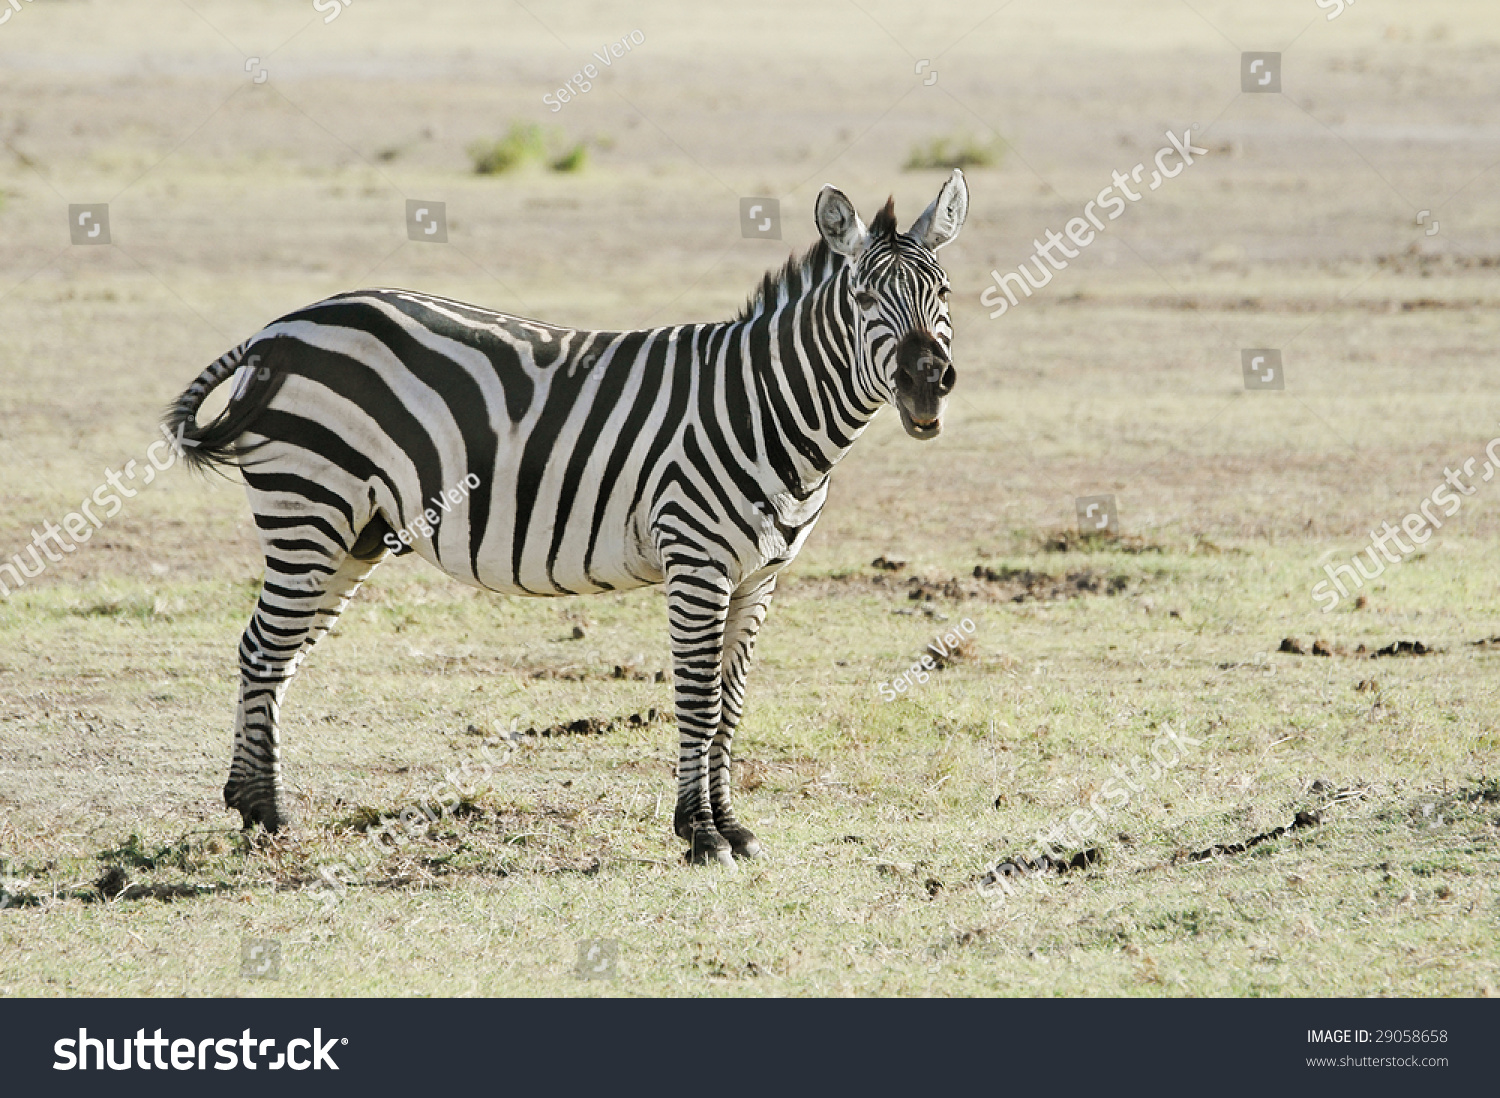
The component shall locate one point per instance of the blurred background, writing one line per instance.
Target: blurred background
(256, 156)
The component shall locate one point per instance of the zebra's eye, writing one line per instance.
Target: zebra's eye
(942, 293)
(864, 299)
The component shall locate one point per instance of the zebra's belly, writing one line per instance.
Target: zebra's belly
(539, 546)
(565, 583)
(608, 570)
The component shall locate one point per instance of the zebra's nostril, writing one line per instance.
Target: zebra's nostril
(950, 379)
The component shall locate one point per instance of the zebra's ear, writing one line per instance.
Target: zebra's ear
(940, 222)
(839, 225)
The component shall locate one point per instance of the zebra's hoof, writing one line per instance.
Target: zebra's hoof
(269, 815)
(690, 822)
(710, 847)
(742, 841)
(271, 820)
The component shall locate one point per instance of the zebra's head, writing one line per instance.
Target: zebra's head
(900, 299)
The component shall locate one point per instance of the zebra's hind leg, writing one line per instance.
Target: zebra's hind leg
(747, 612)
(698, 596)
(305, 589)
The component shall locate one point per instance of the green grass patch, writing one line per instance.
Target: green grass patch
(949, 151)
(527, 143)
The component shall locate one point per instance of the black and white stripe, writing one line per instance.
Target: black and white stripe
(530, 459)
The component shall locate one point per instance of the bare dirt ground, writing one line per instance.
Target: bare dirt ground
(1350, 221)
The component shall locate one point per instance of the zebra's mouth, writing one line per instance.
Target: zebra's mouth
(923, 429)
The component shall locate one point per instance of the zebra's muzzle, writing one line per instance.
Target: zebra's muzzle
(920, 429)
(924, 378)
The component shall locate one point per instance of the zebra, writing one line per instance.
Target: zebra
(529, 459)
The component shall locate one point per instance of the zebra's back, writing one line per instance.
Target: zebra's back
(513, 455)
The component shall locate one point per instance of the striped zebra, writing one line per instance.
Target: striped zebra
(529, 459)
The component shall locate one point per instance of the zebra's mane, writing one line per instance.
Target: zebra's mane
(797, 276)
(801, 274)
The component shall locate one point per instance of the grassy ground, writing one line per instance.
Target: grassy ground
(880, 818)
(124, 874)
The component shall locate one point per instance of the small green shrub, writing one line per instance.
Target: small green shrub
(523, 143)
(950, 152)
(573, 160)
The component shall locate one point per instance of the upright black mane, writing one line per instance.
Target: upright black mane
(801, 273)
(798, 275)
(884, 225)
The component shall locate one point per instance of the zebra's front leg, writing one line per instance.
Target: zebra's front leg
(747, 612)
(697, 606)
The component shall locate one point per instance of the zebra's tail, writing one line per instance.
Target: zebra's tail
(215, 444)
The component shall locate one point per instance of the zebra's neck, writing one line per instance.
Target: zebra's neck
(801, 362)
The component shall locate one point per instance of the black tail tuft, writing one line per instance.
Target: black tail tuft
(215, 445)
